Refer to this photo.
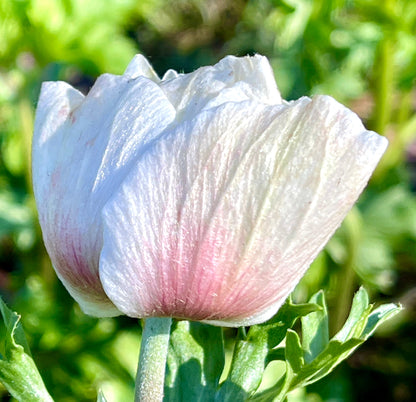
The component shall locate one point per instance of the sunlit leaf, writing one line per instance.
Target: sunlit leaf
(253, 353)
(18, 372)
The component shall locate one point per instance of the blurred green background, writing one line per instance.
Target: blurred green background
(361, 52)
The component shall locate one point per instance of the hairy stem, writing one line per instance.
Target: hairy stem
(150, 377)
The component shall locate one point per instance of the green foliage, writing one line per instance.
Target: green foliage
(196, 352)
(83, 33)
(91, 353)
(253, 352)
(195, 362)
(317, 356)
(315, 331)
(18, 371)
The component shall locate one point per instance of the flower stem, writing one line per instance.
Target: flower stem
(152, 360)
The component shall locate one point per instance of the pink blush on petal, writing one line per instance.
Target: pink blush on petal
(195, 281)
(74, 269)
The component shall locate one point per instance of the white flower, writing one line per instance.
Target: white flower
(201, 196)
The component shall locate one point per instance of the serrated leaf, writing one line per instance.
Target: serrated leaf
(285, 318)
(323, 364)
(18, 372)
(251, 354)
(378, 316)
(361, 324)
(359, 306)
(315, 332)
(195, 362)
(14, 329)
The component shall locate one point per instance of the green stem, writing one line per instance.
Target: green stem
(150, 377)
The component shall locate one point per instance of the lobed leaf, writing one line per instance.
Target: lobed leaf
(252, 354)
(18, 371)
(317, 357)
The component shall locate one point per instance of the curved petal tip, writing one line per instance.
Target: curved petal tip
(140, 66)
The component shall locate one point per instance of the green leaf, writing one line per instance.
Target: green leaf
(321, 356)
(247, 367)
(378, 316)
(284, 388)
(195, 362)
(284, 319)
(360, 305)
(18, 372)
(251, 355)
(294, 352)
(14, 333)
(334, 354)
(315, 333)
(275, 354)
(361, 323)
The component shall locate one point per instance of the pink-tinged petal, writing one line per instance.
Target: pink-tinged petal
(233, 79)
(221, 216)
(83, 147)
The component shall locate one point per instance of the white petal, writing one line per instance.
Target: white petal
(232, 79)
(140, 67)
(220, 218)
(82, 150)
(56, 101)
(170, 75)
